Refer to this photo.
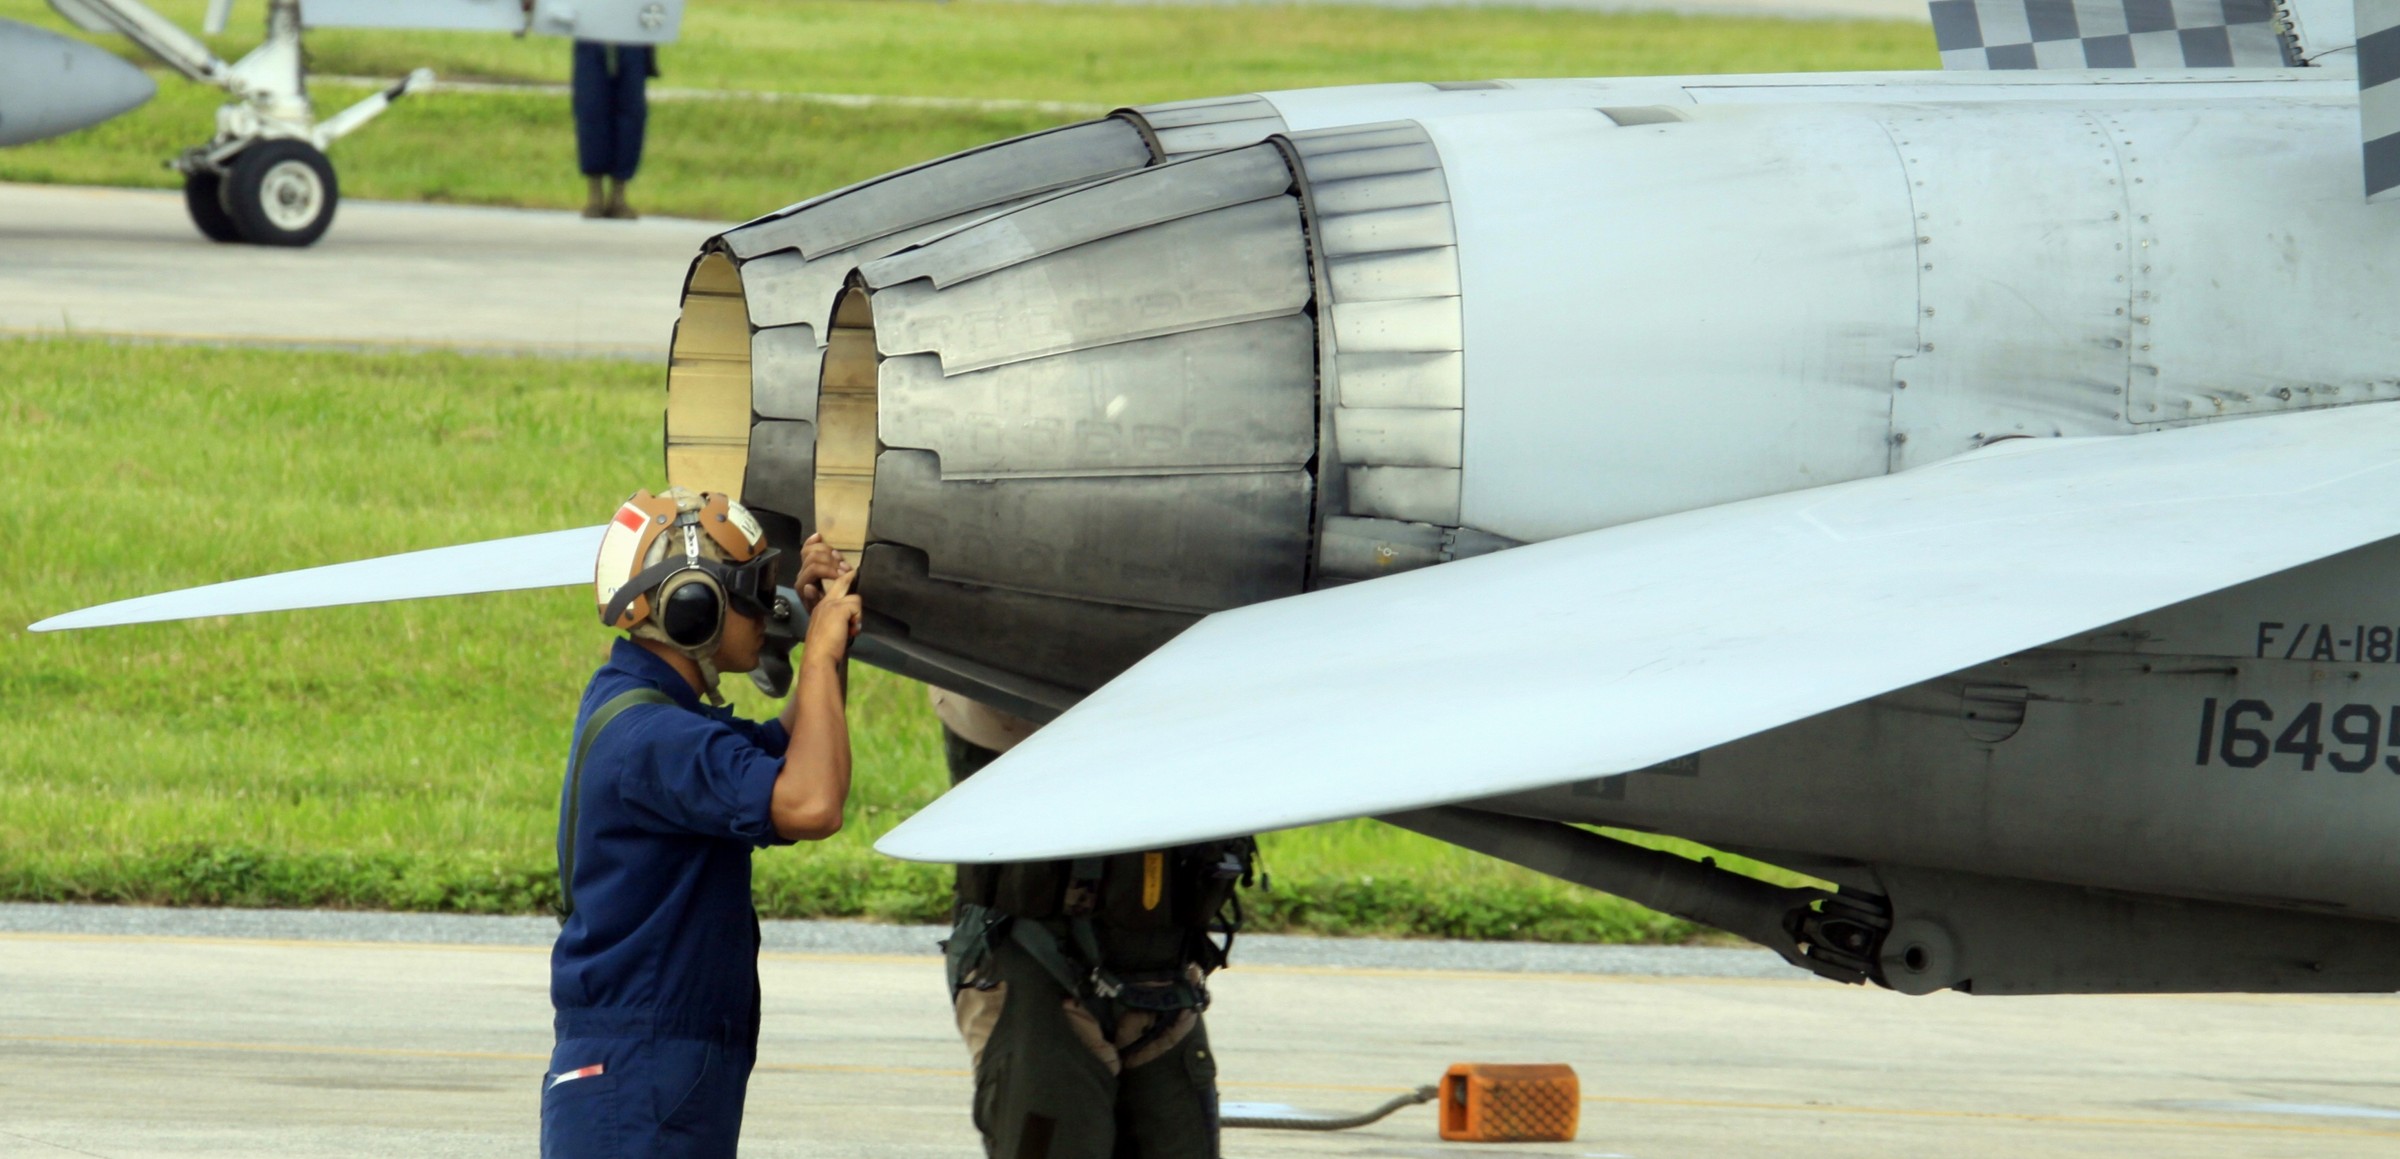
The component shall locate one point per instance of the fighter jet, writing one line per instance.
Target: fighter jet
(1973, 489)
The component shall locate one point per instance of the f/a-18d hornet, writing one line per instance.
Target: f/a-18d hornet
(1977, 490)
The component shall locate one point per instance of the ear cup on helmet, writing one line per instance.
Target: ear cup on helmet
(691, 610)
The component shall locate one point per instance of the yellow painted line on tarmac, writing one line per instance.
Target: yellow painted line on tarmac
(1398, 972)
(1784, 1108)
(266, 1047)
(416, 947)
(265, 943)
(321, 1049)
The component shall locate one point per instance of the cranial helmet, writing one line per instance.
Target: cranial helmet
(672, 564)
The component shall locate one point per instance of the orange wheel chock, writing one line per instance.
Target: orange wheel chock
(1498, 1103)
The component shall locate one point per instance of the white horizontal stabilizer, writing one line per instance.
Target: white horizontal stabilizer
(551, 559)
(1615, 650)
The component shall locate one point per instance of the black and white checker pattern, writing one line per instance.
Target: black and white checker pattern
(2379, 95)
(1996, 34)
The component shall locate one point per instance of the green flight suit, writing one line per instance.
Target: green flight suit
(1049, 1084)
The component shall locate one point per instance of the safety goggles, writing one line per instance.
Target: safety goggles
(750, 585)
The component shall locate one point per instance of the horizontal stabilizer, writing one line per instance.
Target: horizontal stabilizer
(551, 559)
(1618, 649)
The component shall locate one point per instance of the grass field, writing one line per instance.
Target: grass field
(408, 756)
(734, 159)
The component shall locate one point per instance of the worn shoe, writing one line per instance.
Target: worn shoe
(597, 204)
(617, 208)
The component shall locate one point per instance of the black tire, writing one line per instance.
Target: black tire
(281, 192)
(203, 196)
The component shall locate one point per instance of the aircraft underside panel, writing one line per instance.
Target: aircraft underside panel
(1991, 935)
(2261, 782)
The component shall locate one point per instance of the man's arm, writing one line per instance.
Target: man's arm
(815, 780)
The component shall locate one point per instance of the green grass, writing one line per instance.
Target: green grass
(734, 159)
(408, 756)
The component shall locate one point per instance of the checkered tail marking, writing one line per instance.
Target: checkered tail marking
(2379, 96)
(1997, 34)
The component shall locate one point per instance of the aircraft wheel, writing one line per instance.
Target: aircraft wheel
(203, 196)
(281, 192)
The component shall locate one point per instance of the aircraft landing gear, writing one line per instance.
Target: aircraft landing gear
(276, 192)
(201, 198)
(263, 178)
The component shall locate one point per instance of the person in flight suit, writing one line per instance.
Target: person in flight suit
(612, 112)
(655, 973)
(1079, 985)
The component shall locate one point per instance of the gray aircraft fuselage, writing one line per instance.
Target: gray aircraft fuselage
(52, 85)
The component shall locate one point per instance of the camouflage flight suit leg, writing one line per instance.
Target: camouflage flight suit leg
(1043, 1090)
(1048, 1083)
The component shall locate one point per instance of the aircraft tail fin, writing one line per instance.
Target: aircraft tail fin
(2086, 34)
(2377, 30)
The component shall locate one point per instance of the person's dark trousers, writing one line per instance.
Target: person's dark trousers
(656, 1098)
(611, 106)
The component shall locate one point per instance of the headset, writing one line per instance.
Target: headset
(692, 593)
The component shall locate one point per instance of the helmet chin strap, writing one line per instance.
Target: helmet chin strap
(705, 656)
(708, 680)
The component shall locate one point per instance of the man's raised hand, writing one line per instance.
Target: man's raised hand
(836, 619)
(818, 562)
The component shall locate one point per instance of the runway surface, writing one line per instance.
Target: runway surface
(128, 262)
(125, 1045)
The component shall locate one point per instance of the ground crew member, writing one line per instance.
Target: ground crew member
(612, 111)
(1079, 985)
(655, 974)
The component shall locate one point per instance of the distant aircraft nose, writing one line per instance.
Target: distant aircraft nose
(50, 84)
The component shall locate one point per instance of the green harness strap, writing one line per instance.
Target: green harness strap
(592, 727)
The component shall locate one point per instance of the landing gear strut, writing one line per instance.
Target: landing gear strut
(1833, 935)
(263, 178)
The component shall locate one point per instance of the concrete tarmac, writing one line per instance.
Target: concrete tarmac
(126, 1045)
(127, 262)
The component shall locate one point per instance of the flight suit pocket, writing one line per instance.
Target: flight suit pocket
(583, 1116)
(1200, 1066)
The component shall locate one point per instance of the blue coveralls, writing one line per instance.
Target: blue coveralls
(655, 974)
(611, 100)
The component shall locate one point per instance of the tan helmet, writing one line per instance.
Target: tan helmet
(671, 565)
